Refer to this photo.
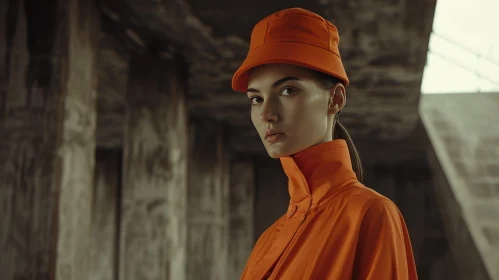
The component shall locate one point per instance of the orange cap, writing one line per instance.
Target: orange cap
(293, 36)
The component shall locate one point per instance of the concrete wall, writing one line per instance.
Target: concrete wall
(409, 185)
(464, 133)
(271, 193)
(48, 115)
(241, 224)
(70, 211)
(208, 200)
(153, 242)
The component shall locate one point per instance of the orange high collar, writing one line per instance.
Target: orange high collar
(318, 172)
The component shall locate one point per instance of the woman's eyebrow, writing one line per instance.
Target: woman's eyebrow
(277, 83)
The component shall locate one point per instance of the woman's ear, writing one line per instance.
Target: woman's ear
(337, 98)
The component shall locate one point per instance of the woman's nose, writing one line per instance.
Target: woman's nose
(269, 112)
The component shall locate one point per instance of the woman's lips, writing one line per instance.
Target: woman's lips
(272, 138)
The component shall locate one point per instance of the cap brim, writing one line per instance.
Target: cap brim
(295, 53)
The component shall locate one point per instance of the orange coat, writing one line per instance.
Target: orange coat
(335, 227)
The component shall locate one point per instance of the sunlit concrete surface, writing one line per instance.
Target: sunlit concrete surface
(464, 134)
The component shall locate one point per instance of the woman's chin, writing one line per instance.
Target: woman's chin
(277, 150)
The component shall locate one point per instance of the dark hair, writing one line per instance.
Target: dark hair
(339, 131)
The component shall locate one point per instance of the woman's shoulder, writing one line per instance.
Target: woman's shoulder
(360, 198)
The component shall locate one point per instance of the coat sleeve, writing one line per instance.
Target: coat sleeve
(383, 248)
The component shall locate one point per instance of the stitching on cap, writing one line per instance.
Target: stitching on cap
(292, 41)
(313, 15)
(267, 31)
(299, 12)
(328, 37)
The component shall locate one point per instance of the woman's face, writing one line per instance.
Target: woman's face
(290, 109)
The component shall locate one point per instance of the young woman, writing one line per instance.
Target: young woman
(335, 227)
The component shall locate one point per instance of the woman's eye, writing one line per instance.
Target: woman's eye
(288, 91)
(255, 100)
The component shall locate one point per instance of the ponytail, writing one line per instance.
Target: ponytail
(340, 132)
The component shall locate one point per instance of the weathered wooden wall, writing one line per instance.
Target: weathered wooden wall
(47, 109)
(208, 200)
(153, 221)
(241, 222)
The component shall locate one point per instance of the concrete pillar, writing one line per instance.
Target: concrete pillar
(208, 200)
(241, 225)
(153, 221)
(47, 97)
(75, 160)
(112, 67)
(106, 199)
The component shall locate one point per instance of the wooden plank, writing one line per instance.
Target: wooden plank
(241, 215)
(208, 201)
(153, 227)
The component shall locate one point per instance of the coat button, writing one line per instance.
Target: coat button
(292, 211)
